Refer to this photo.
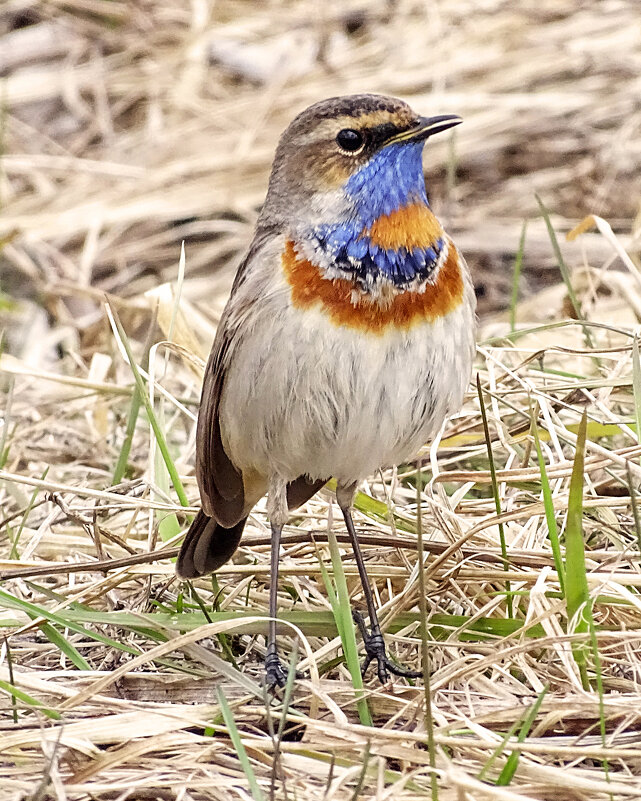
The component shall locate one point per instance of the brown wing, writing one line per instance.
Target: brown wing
(220, 483)
(219, 480)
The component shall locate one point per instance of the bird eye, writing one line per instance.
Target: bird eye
(350, 140)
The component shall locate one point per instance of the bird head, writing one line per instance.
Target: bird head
(352, 156)
(347, 187)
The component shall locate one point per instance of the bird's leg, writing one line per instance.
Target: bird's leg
(275, 674)
(372, 639)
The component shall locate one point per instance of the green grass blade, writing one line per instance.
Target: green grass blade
(500, 748)
(509, 769)
(343, 615)
(134, 411)
(288, 691)
(29, 700)
(318, 623)
(518, 263)
(277, 736)
(160, 438)
(495, 490)
(223, 639)
(14, 545)
(634, 503)
(563, 269)
(234, 735)
(331, 593)
(598, 669)
(425, 654)
(576, 588)
(7, 426)
(361, 778)
(636, 383)
(548, 503)
(125, 448)
(168, 525)
(636, 387)
(12, 680)
(67, 621)
(57, 639)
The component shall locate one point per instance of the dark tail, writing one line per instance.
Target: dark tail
(207, 546)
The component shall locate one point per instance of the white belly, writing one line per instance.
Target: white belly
(304, 397)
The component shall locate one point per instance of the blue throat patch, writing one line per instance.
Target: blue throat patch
(391, 180)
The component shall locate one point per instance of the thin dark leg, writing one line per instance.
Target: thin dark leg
(275, 676)
(373, 640)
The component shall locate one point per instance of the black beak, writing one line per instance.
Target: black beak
(426, 127)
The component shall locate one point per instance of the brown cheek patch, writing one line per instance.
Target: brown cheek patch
(319, 167)
(412, 226)
(335, 297)
(334, 173)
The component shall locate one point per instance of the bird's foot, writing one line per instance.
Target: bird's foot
(275, 673)
(375, 650)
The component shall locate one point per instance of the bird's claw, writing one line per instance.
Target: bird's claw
(375, 650)
(275, 673)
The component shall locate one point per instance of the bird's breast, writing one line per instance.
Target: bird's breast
(409, 228)
(347, 304)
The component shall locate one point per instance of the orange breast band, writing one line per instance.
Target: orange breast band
(345, 305)
(411, 227)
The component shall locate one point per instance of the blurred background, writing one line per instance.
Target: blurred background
(127, 128)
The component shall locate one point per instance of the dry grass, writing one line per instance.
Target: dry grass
(128, 128)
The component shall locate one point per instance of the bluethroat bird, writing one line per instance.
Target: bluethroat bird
(346, 341)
